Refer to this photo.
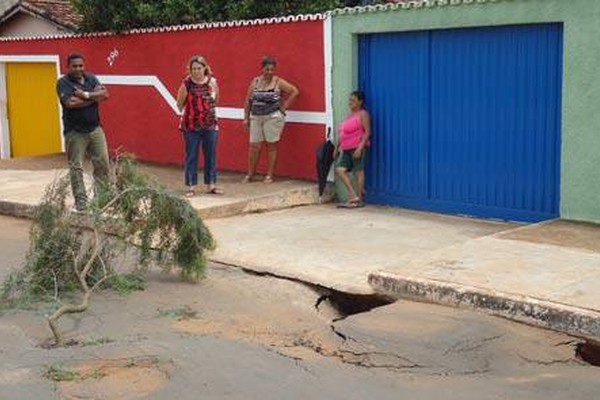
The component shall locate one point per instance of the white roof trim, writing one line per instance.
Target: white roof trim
(415, 4)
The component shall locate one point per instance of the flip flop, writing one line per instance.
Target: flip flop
(358, 204)
(268, 179)
(190, 193)
(247, 179)
(215, 190)
(351, 204)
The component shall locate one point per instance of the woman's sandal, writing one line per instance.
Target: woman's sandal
(357, 203)
(248, 179)
(215, 190)
(268, 179)
(190, 193)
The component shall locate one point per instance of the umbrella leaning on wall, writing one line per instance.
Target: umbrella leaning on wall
(324, 161)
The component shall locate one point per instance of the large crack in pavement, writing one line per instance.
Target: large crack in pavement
(375, 359)
(372, 332)
(303, 324)
(251, 326)
(468, 345)
(563, 361)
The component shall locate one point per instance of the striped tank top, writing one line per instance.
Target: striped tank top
(265, 101)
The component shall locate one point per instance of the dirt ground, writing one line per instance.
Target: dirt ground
(236, 335)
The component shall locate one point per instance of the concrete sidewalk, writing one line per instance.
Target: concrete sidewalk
(22, 183)
(335, 248)
(544, 274)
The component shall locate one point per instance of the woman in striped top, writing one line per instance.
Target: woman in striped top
(265, 115)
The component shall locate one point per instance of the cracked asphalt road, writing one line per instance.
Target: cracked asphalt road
(240, 336)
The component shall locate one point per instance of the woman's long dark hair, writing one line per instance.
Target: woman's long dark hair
(360, 95)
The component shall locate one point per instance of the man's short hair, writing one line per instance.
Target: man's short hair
(74, 56)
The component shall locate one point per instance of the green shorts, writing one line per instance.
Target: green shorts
(350, 163)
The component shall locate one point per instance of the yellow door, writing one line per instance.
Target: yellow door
(33, 116)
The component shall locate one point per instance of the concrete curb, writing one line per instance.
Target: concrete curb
(271, 202)
(14, 209)
(575, 321)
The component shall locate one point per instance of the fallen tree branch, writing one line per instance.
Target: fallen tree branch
(87, 292)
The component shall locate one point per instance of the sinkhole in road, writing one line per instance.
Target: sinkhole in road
(347, 304)
(338, 305)
(589, 352)
(344, 303)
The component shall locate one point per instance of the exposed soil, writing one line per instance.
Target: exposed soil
(123, 379)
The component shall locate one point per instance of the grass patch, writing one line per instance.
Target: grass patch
(58, 372)
(125, 284)
(179, 313)
(97, 374)
(96, 342)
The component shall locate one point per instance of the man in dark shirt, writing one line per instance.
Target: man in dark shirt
(79, 93)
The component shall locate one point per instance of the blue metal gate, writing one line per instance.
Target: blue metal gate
(466, 121)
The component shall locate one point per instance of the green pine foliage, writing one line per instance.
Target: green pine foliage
(136, 215)
(167, 228)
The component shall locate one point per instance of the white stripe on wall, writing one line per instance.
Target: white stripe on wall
(29, 58)
(328, 59)
(141, 80)
(328, 52)
(4, 127)
(306, 117)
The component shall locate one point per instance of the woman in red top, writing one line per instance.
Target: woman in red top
(355, 132)
(197, 98)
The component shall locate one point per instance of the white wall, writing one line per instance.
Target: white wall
(4, 131)
(26, 25)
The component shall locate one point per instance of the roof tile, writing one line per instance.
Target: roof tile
(60, 12)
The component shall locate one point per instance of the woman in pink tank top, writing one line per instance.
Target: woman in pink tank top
(355, 133)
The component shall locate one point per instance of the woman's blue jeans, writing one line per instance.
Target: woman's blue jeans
(193, 140)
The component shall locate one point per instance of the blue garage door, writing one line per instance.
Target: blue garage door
(466, 121)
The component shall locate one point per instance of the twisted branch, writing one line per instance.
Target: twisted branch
(87, 292)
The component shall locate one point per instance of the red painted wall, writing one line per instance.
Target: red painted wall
(139, 120)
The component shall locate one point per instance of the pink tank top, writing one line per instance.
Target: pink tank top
(351, 132)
